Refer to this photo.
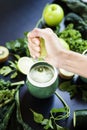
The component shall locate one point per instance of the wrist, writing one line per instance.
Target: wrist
(73, 62)
(60, 58)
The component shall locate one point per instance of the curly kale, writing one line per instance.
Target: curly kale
(74, 38)
(78, 22)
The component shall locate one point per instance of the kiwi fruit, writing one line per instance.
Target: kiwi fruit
(4, 53)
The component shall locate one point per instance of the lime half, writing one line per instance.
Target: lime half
(24, 64)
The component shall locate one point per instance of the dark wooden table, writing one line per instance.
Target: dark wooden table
(17, 17)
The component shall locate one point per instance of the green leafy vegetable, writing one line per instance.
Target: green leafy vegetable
(5, 113)
(79, 23)
(19, 46)
(73, 38)
(56, 114)
(48, 125)
(8, 84)
(4, 84)
(69, 87)
(78, 7)
(6, 96)
(7, 92)
(7, 101)
(11, 69)
(5, 70)
(74, 89)
(37, 117)
(13, 75)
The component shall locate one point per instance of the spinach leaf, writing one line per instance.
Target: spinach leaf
(79, 23)
(77, 7)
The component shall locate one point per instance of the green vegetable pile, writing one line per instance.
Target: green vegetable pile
(9, 100)
(77, 16)
(19, 46)
(74, 38)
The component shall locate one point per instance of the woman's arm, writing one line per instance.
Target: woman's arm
(56, 54)
(74, 62)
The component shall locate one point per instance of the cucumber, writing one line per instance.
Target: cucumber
(80, 118)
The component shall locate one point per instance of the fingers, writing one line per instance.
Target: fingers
(40, 33)
(34, 40)
(34, 47)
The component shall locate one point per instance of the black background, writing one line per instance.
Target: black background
(17, 17)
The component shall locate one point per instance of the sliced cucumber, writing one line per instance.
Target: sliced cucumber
(80, 118)
(24, 63)
(65, 74)
(4, 53)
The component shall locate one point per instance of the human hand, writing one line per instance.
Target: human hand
(52, 44)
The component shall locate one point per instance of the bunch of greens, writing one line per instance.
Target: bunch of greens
(79, 23)
(8, 90)
(10, 69)
(7, 101)
(74, 38)
(5, 114)
(19, 46)
(77, 6)
(56, 114)
(74, 89)
(76, 13)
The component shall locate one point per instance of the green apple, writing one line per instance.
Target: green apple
(64, 44)
(53, 14)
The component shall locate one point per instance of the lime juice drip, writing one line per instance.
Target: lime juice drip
(43, 52)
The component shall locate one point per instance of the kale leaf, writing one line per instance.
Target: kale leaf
(79, 23)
